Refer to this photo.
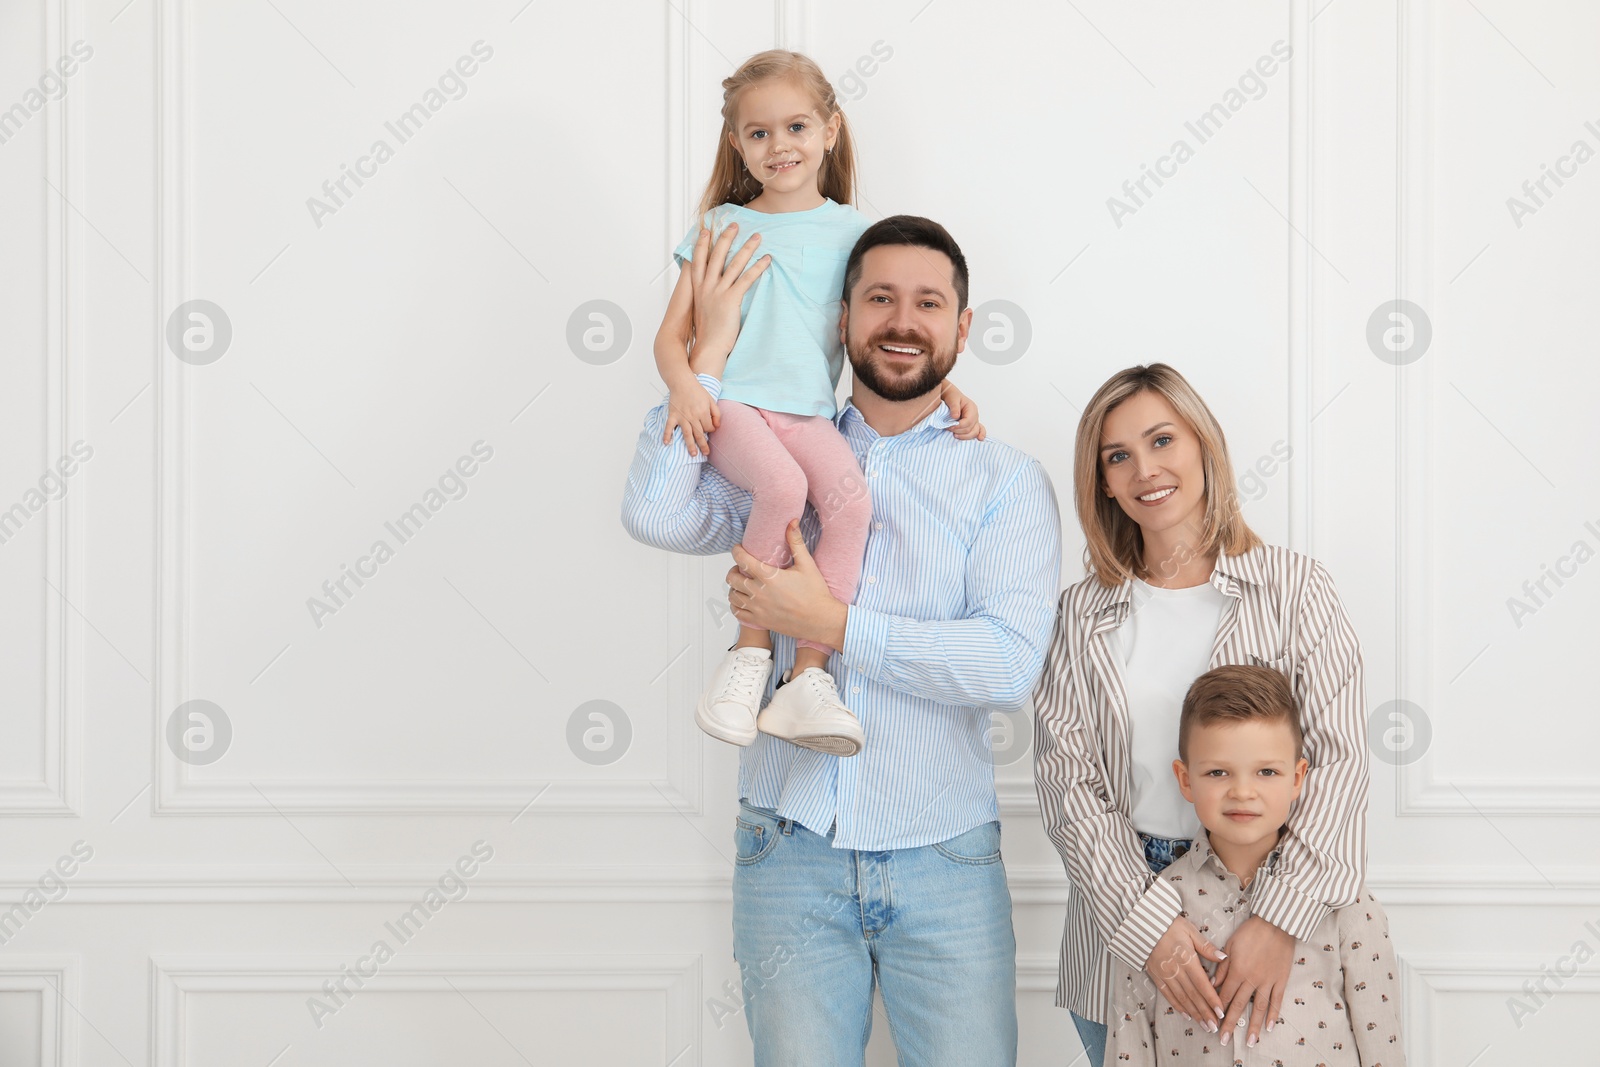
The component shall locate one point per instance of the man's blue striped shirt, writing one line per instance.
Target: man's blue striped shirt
(951, 620)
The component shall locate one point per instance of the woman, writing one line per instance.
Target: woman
(1178, 584)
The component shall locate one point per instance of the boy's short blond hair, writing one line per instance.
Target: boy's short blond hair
(1238, 693)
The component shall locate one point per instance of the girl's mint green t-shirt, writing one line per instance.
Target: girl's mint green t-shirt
(788, 356)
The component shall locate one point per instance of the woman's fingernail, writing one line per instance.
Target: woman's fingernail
(1224, 1038)
(1220, 1013)
(1221, 955)
(1252, 1042)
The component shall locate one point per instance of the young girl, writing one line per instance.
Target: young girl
(785, 169)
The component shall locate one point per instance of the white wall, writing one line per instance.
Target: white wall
(374, 345)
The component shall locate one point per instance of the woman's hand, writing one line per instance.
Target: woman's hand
(1257, 968)
(691, 407)
(719, 288)
(963, 410)
(1174, 966)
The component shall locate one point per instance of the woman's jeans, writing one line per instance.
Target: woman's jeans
(1158, 853)
(816, 927)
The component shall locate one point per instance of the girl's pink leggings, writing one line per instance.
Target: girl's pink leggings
(785, 460)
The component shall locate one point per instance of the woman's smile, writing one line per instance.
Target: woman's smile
(1157, 496)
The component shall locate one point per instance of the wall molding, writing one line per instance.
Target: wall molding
(687, 883)
(1017, 798)
(1426, 980)
(792, 25)
(1037, 972)
(1423, 792)
(55, 979)
(189, 796)
(57, 790)
(1422, 789)
(174, 978)
(1394, 885)
(1301, 283)
(1301, 287)
(178, 789)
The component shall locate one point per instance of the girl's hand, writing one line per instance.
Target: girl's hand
(965, 412)
(691, 407)
(719, 288)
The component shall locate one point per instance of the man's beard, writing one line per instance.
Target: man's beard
(935, 367)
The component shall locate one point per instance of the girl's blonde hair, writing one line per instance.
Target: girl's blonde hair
(731, 182)
(1114, 549)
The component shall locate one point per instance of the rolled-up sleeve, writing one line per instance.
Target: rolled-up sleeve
(678, 501)
(1131, 907)
(1322, 861)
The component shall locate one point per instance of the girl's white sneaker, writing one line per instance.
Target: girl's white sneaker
(727, 709)
(807, 711)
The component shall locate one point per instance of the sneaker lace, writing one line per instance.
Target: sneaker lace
(747, 671)
(823, 692)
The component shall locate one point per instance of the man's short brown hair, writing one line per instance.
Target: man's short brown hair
(1238, 694)
(917, 232)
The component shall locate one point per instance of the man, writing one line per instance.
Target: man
(883, 867)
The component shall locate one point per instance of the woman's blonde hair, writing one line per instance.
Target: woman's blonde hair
(1114, 549)
(731, 182)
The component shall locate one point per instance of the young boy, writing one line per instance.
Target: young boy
(1239, 743)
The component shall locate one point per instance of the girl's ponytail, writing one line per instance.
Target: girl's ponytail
(839, 170)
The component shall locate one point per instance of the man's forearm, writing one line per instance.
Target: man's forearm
(973, 662)
(676, 501)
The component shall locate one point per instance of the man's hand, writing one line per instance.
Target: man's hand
(719, 288)
(1174, 966)
(793, 601)
(1257, 968)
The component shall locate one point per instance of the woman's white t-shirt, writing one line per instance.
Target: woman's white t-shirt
(1164, 645)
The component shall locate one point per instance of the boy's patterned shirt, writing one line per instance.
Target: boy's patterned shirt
(1341, 1009)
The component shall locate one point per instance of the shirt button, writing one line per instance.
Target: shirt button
(855, 689)
(877, 526)
(872, 579)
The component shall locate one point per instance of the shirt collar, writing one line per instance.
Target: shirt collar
(850, 417)
(1203, 855)
(1228, 574)
(1249, 566)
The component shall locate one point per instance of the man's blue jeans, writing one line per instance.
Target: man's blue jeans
(815, 927)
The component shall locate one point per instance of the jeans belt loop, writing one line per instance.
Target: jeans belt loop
(786, 826)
